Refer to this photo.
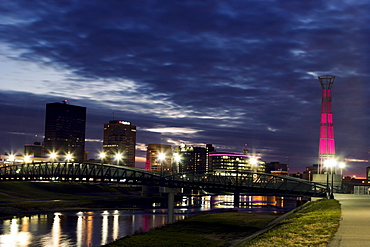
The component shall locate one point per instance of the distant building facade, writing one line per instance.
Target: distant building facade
(188, 159)
(230, 164)
(65, 127)
(276, 168)
(119, 139)
(356, 186)
(209, 150)
(159, 158)
(33, 150)
(310, 171)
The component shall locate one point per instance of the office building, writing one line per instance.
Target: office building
(189, 159)
(276, 168)
(119, 143)
(209, 150)
(159, 158)
(33, 150)
(310, 171)
(230, 164)
(65, 126)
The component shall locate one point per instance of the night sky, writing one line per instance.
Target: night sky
(232, 73)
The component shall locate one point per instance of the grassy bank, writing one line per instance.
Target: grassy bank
(203, 230)
(313, 225)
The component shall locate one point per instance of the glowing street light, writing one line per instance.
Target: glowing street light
(177, 159)
(27, 159)
(341, 166)
(253, 160)
(69, 157)
(11, 158)
(330, 163)
(53, 156)
(254, 163)
(102, 156)
(161, 158)
(118, 157)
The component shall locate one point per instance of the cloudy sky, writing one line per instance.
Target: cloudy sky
(231, 73)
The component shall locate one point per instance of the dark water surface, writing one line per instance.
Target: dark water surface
(97, 228)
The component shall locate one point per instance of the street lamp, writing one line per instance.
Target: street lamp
(102, 156)
(161, 158)
(27, 159)
(11, 159)
(53, 156)
(69, 157)
(254, 163)
(341, 166)
(177, 159)
(118, 158)
(330, 163)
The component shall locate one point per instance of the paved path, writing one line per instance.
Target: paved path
(354, 228)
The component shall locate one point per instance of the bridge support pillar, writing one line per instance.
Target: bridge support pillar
(171, 201)
(236, 199)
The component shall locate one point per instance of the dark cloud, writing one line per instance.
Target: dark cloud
(239, 71)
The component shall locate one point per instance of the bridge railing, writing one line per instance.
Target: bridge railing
(243, 182)
(252, 182)
(73, 171)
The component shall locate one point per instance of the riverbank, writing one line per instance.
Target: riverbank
(313, 224)
(318, 219)
(26, 198)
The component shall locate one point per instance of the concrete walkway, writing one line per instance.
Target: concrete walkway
(354, 228)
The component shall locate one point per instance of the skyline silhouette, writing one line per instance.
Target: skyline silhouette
(226, 73)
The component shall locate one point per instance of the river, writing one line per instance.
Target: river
(96, 228)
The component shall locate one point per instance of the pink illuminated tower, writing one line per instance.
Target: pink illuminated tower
(327, 146)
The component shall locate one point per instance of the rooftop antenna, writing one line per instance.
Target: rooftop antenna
(113, 116)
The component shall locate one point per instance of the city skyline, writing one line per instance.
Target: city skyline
(230, 74)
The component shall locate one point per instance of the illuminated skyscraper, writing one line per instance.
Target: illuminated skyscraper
(65, 130)
(159, 158)
(327, 146)
(119, 143)
(190, 159)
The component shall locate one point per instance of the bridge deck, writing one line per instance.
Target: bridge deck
(244, 183)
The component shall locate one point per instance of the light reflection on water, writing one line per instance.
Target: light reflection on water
(98, 228)
(81, 229)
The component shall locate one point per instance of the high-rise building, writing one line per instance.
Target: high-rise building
(159, 158)
(65, 126)
(190, 159)
(209, 150)
(230, 164)
(119, 143)
(327, 146)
